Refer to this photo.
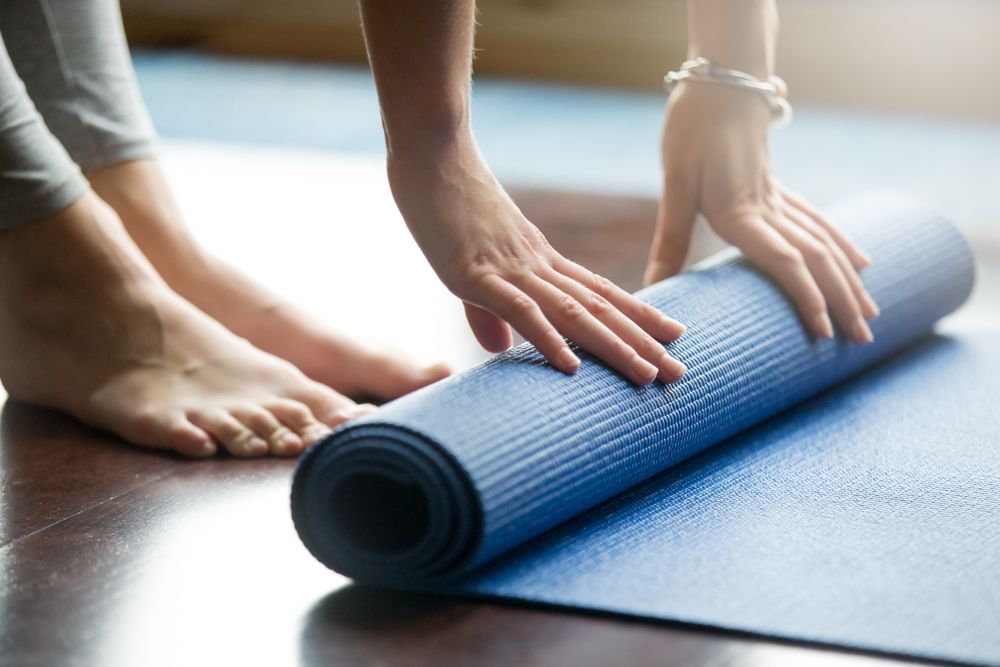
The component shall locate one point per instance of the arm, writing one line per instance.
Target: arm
(479, 243)
(715, 155)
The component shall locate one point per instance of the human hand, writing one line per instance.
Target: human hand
(490, 256)
(715, 157)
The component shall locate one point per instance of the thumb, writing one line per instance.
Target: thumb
(672, 239)
(491, 331)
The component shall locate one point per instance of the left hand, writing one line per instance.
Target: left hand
(715, 158)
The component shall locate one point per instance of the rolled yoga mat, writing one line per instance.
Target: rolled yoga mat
(816, 490)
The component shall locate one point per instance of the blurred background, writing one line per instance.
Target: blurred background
(924, 56)
(888, 94)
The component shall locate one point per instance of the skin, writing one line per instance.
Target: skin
(156, 340)
(499, 264)
(139, 194)
(481, 246)
(715, 156)
(133, 357)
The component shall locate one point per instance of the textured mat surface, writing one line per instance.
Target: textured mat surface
(866, 517)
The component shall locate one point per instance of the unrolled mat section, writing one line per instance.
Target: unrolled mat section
(510, 480)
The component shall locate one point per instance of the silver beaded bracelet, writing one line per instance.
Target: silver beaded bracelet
(702, 70)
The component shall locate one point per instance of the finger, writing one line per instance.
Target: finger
(830, 278)
(859, 258)
(491, 331)
(229, 432)
(299, 418)
(674, 222)
(769, 250)
(868, 306)
(573, 319)
(281, 440)
(652, 321)
(520, 310)
(669, 369)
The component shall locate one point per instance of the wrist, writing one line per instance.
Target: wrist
(432, 178)
(696, 108)
(426, 133)
(738, 34)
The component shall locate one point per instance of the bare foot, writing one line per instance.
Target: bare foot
(139, 193)
(87, 326)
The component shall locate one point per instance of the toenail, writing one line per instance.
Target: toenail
(289, 441)
(353, 412)
(359, 410)
(314, 433)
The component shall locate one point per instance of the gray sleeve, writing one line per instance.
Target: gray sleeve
(37, 176)
(74, 61)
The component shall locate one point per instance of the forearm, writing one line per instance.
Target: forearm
(421, 57)
(740, 34)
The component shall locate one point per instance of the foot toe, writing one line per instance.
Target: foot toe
(189, 440)
(229, 432)
(281, 440)
(298, 417)
(162, 429)
(347, 414)
(390, 377)
(323, 402)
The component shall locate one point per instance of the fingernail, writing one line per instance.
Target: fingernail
(677, 329)
(569, 361)
(871, 308)
(645, 371)
(865, 258)
(823, 327)
(672, 367)
(862, 332)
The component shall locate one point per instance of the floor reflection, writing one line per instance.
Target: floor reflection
(221, 577)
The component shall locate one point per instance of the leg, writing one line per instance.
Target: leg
(87, 326)
(83, 73)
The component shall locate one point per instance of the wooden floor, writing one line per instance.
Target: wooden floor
(114, 556)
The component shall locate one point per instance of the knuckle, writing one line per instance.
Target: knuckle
(570, 308)
(788, 257)
(522, 303)
(824, 237)
(470, 281)
(600, 284)
(815, 253)
(599, 306)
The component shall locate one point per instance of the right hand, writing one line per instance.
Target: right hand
(490, 256)
(715, 159)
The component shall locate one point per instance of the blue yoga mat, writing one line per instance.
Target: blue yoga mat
(811, 490)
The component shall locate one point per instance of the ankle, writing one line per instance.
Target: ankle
(80, 248)
(139, 194)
